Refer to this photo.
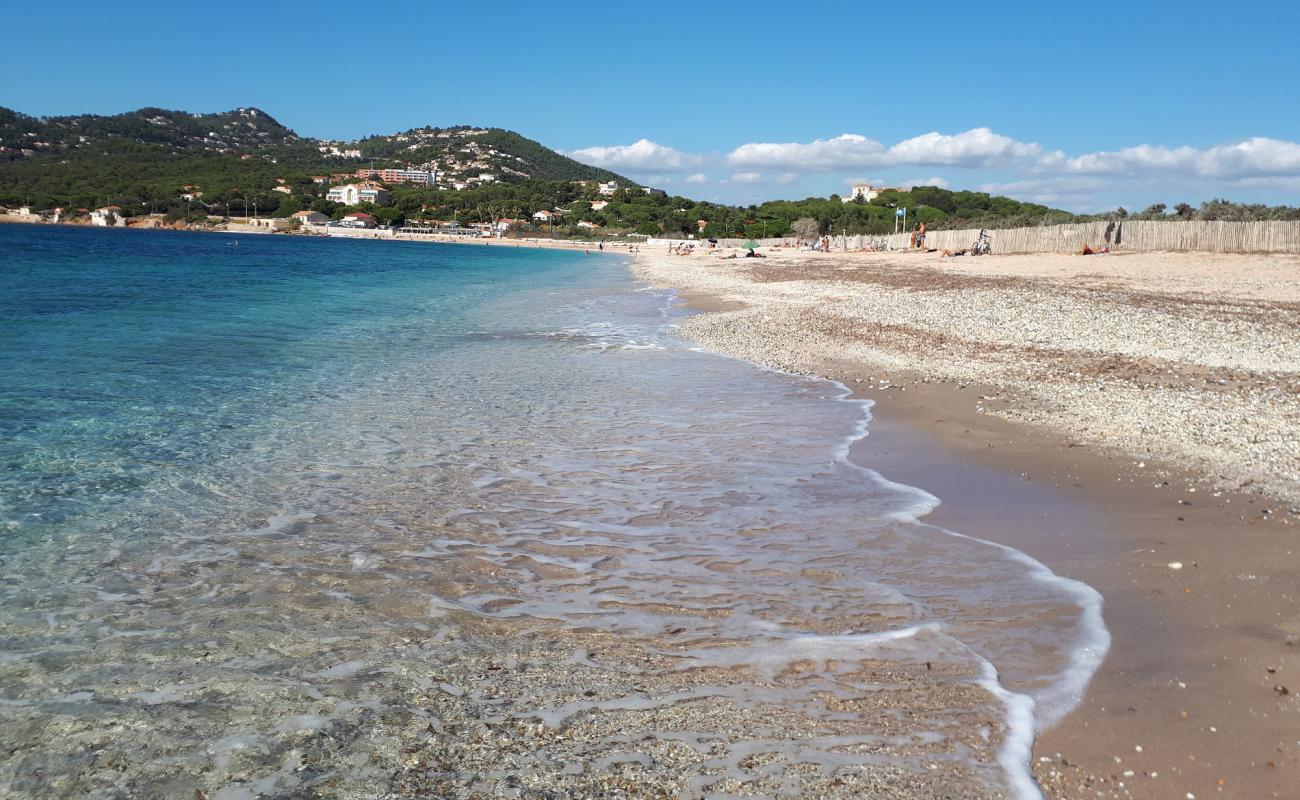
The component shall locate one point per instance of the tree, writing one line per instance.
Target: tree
(806, 228)
(1155, 210)
(1184, 210)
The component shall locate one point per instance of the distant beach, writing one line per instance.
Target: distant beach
(1130, 420)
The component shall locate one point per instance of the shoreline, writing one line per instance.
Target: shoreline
(361, 234)
(1189, 700)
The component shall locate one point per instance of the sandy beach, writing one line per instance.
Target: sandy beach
(1130, 420)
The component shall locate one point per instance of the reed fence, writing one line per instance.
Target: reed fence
(1127, 236)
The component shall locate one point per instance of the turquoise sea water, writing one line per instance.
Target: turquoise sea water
(259, 495)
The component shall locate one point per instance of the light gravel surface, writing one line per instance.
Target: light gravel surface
(1201, 370)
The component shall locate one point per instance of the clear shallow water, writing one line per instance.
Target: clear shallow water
(262, 502)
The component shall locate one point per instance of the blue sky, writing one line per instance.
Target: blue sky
(1082, 106)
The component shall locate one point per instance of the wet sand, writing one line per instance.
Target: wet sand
(1200, 582)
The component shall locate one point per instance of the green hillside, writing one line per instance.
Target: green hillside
(143, 159)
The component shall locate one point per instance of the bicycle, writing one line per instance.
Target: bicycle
(983, 246)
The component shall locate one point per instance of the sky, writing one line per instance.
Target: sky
(1078, 106)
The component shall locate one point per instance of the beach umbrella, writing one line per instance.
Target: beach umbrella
(751, 244)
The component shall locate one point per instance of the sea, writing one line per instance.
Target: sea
(298, 517)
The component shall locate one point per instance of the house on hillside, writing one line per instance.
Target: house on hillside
(320, 179)
(310, 217)
(862, 191)
(358, 220)
(417, 177)
(589, 225)
(352, 193)
(543, 216)
(282, 189)
(609, 188)
(599, 204)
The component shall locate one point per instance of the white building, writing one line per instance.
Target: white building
(863, 190)
(542, 216)
(331, 150)
(269, 223)
(108, 217)
(352, 193)
(282, 189)
(609, 188)
(599, 204)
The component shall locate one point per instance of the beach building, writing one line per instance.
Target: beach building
(191, 196)
(542, 216)
(310, 217)
(108, 217)
(585, 224)
(269, 223)
(358, 220)
(864, 192)
(352, 193)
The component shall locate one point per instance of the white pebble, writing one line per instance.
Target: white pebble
(1175, 565)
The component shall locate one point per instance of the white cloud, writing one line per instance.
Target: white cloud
(747, 177)
(931, 181)
(845, 150)
(697, 179)
(1255, 157)
(978, 147)
(642, 155)
(787, 178)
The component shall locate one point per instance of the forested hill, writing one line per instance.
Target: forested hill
(153, 153)
(229, 132)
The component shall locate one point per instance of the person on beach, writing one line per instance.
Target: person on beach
(918, 236)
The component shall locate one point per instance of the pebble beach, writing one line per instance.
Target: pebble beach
(1188, 358)
(1129, 419)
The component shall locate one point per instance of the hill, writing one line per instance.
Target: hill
(148, 156)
